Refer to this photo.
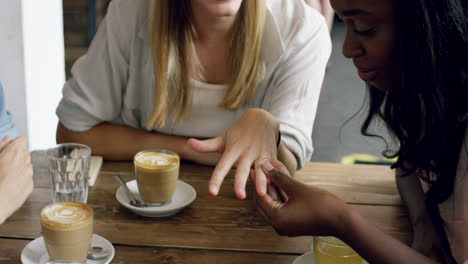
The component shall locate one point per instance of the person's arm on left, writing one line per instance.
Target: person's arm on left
(16, 175)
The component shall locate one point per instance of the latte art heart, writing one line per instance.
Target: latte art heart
(65, 214)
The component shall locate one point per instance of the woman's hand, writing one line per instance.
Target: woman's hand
(253, 136)
(16, 182)
(312, 211)
(304, 210)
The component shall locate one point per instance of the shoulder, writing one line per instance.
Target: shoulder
(295, 20)
(129, 14)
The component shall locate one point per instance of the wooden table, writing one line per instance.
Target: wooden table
(219, 229)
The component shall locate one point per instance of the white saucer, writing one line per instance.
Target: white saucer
(307, 258)
(35, 252)
(183, 196)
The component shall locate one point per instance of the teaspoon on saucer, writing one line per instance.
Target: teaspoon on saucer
(62, 262)
(134, 201)
(98, 253)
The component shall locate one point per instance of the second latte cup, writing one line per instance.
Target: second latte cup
(67, 228)
(157, 172)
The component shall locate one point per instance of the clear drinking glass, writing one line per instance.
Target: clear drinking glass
(331, 250)
(69, 168)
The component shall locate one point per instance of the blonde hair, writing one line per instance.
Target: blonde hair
(175, 60)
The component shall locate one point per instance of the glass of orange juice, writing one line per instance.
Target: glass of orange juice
(331, 250)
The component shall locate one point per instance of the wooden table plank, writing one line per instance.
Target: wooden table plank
(11, 253)
(360, 184)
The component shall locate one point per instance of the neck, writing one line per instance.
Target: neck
(212, 29)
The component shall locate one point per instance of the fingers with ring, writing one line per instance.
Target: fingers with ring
(260, 159)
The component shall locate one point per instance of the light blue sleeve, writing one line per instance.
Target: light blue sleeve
(7, 127)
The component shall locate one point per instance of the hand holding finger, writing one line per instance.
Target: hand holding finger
(280, 179)
(274, 192)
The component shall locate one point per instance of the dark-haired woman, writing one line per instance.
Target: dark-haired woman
(413, 55)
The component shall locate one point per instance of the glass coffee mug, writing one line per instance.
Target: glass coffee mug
(157, 172)
(331, 250)
(67, 229)
(69, 168)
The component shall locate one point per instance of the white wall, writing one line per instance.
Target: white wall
(32, 66)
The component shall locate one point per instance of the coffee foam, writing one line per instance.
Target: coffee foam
(156, 160)
(66, 215)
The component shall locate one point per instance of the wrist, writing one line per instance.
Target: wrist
(344, 221)
(268, 118)
(263, 114)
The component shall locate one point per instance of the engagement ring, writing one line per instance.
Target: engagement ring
(260, 159)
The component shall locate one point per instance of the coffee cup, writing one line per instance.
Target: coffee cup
(331, 250)
(67, 229)
(157, 172)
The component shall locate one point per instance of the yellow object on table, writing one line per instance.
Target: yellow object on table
(359, 158)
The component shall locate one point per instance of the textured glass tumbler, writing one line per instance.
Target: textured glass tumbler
(331, 250)
(69, 168)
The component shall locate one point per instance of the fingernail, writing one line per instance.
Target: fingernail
(262, 191)
(242, 196)
(213, 190)
(268, 167)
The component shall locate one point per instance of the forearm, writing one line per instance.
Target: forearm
(287, 158)
(118, 142)
(374, 245)
(412, 194)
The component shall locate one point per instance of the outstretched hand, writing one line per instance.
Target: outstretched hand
(253, 137)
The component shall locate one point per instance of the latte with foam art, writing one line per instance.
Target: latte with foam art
(66, 215)
(156, 160)
(157, 172)
(67, 229)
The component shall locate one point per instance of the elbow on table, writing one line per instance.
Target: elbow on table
(65, 135)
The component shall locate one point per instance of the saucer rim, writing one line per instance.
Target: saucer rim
(95, 236)
(157, 211)
(305, 255)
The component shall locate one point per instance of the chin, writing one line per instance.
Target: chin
(383, 86)
(220, 8)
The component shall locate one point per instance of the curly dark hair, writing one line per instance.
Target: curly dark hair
(427, 106)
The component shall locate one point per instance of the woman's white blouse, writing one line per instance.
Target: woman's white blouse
(113, 82)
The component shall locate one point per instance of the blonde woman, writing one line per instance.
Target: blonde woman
(232, 72)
